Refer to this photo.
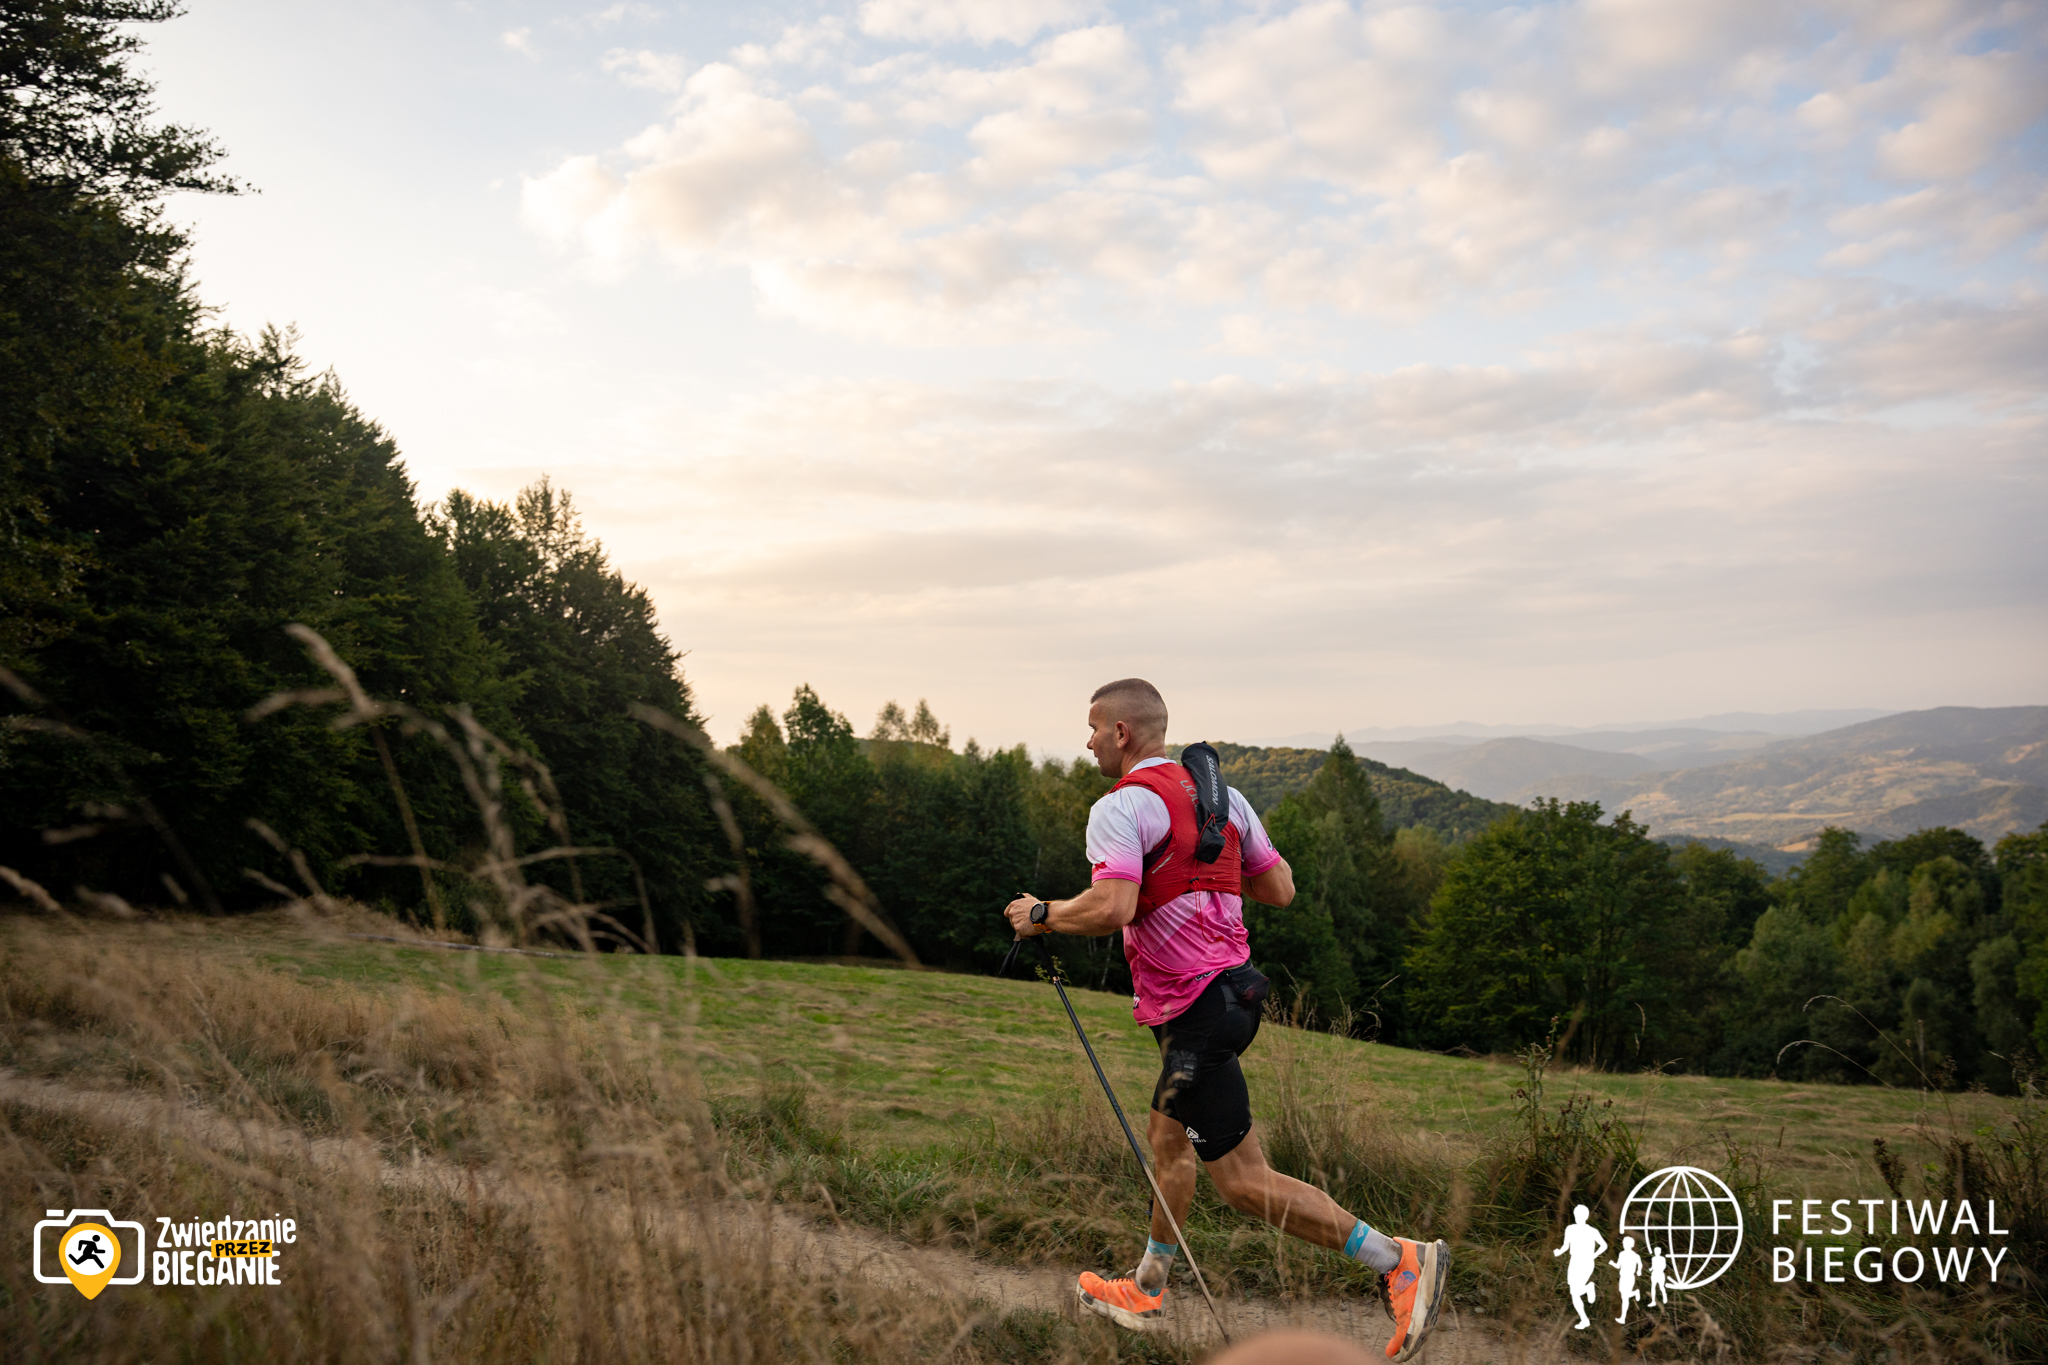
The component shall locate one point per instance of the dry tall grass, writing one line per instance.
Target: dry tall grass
(473, 1181)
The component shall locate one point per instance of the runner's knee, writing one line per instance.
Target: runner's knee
(1243, 1190)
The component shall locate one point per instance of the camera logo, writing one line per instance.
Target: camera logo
(90, 1249)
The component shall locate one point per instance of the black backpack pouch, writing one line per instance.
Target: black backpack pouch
(1212, 800)
(1246, 985)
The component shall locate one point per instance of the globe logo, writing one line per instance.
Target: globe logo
(1692, 1217)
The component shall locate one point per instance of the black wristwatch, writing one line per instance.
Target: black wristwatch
(1039, 912)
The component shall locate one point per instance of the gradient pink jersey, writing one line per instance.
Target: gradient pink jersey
(1176, 949)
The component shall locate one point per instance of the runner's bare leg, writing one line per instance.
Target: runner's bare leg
(1175, 1164)
(1247, 1184)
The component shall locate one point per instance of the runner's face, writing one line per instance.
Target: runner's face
(1102, 742)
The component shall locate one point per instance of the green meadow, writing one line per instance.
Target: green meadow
(911, 1060)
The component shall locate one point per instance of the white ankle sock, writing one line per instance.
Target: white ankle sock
(1375, 1249)
(1152, 1271)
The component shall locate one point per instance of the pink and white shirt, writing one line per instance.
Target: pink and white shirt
(1176, 949)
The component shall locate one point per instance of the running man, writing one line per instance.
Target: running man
(1660, 1289)
(1183, 928)
(89, 1249)
(1587, 1246)
(1630, 1265)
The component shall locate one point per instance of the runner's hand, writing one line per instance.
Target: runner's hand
(1018, 913)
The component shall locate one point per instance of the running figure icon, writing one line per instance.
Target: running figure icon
(1630, 1265)
(1660, 1290)
(1586, 1246)
(89, 1249)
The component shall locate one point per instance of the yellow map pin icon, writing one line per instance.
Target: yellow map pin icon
(90, 1254)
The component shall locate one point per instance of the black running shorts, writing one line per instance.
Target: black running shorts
(1201, 1087)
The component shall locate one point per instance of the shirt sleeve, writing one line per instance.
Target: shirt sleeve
(1122, 827)
(1259, 853)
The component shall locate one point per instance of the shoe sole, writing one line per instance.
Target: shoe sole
(1122, 1317)
(1436, 1270)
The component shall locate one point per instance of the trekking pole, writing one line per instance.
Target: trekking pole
(1052, 970)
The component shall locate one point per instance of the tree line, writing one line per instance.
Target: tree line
(1918, 961)
(172, 496)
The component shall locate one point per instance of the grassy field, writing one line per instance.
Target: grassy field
(947, 1109)
(911, 1057)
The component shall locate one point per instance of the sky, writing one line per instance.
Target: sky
(1334, 365)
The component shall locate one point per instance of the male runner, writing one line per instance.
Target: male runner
(1183, 928)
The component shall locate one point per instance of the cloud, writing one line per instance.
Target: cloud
(623, 13)
(1381, 161)
(645, 69)
(733, 163)
(1883, 352)
(865, 241)
(520, 40)
(1331, 456)
(975, 21)
(1321, 93)
(1973, 104)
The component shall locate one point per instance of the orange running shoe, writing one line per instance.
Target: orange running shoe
(1415, 1293)
(1121, 1301)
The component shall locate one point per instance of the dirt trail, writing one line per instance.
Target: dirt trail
(800, 1242)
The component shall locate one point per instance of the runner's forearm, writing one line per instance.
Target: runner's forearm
(1103, 908)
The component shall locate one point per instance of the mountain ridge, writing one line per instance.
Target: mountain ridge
(1267, 774)
(1807, 722)
(1982, 769)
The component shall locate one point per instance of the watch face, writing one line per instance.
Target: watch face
(1039, 912)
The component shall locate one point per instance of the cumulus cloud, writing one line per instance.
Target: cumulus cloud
(623, 13)
(645, 69)
(1384, 160)
(976, 21)
(865, 239)
(1882, 352)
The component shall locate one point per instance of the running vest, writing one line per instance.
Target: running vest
(1170, 867)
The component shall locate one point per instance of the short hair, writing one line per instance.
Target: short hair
(1137, 703)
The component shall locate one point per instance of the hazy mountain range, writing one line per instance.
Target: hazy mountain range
(1980, 769)
(1775, 723)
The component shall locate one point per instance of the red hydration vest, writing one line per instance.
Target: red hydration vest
(1170, 866)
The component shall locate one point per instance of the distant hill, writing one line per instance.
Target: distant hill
(1776, 861)
(1501, 769)
(1729, 722)
(1266, 774)
(1980, 769)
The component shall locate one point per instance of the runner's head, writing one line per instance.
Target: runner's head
(1126, 723)
(1580, 1213)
